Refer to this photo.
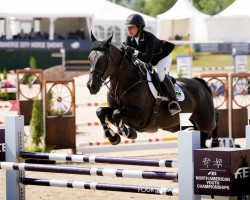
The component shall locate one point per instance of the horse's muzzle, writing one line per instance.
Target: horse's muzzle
(94, 88)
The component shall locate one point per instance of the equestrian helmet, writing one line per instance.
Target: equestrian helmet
(136, 20)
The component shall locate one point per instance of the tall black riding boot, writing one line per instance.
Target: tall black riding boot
(173, 105)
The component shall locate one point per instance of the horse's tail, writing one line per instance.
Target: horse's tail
(215, 141)
(204, 83)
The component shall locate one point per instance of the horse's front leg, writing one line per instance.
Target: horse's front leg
(105, 114)
(122, 129)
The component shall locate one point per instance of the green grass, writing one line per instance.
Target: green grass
(212, 60)
(209, 60)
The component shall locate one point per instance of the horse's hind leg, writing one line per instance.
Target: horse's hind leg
(105, 115)
(215, 141)
(204, 135)
(122, 129)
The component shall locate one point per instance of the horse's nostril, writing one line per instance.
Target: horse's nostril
(93, 87)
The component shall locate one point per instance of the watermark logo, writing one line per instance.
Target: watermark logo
(2, 147)
(243, 172)
(148, 190)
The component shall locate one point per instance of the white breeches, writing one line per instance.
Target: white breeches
(163, 66)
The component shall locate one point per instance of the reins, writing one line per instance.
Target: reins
(101, 73)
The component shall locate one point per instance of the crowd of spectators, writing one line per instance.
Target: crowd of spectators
(77, 35)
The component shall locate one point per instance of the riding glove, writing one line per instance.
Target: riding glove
(129, 50)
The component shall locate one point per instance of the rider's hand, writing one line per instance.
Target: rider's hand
(129, 50)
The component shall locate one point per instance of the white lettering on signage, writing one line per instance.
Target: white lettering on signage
(24, 44)
(243, 172)
(2, 147)
(209, 178)
(9, 44)
(217, 187)
(54, 45)
(38, 45)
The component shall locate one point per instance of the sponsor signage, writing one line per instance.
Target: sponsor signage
(2, 145)
(222, 47)
(222, 171)
(73, 45)
(240, 63)
(184, 65)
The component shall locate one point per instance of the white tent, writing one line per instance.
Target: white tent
(182, 19)
(232, 24)
(67, 15)
(109, 15)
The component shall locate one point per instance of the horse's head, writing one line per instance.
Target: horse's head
(101, 63)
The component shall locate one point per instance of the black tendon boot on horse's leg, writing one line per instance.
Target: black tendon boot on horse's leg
(129, 133)
(122, 129)
(174, 106)
(104, 113)
(203, 139)
(215, 141)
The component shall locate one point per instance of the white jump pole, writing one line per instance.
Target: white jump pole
(14, 140)
(187, 142)
(248, 129)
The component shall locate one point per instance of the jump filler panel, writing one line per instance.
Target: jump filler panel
(222, 171)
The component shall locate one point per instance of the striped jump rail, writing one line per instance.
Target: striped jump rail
(100, 159)
(150, 140)
(102, 186)
(90, 123)
(122, 173)
(5, 106)
(212, 68)
(8, 90)
(91, 104)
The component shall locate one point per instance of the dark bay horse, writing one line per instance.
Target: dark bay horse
(131, 103)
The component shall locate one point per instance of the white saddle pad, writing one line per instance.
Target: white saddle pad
(179, 93)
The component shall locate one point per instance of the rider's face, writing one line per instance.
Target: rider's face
(132, 30)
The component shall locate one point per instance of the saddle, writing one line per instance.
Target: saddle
(144, 67)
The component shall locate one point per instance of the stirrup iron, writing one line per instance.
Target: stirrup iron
(176, 110)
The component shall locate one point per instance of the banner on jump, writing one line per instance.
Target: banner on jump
(2, 145)
(72, 45)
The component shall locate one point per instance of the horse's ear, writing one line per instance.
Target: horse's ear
(110, 38)
(93, 37)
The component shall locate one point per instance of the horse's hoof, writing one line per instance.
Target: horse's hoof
(109, 133)
(132, 133)
(115, 140)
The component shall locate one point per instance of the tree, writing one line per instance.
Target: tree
(125, 3)
(32, 62)
(36, 122)
(5, 74)
(138, 5)
(156, 7)
(212, 7)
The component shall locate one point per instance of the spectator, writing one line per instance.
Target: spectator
(22, 35)
(177, 37)
(32, 34)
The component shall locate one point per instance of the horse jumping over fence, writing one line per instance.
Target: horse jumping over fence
(131, 103)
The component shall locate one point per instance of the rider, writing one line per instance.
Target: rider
(149, 49)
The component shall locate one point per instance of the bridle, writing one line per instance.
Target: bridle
(100, 74)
